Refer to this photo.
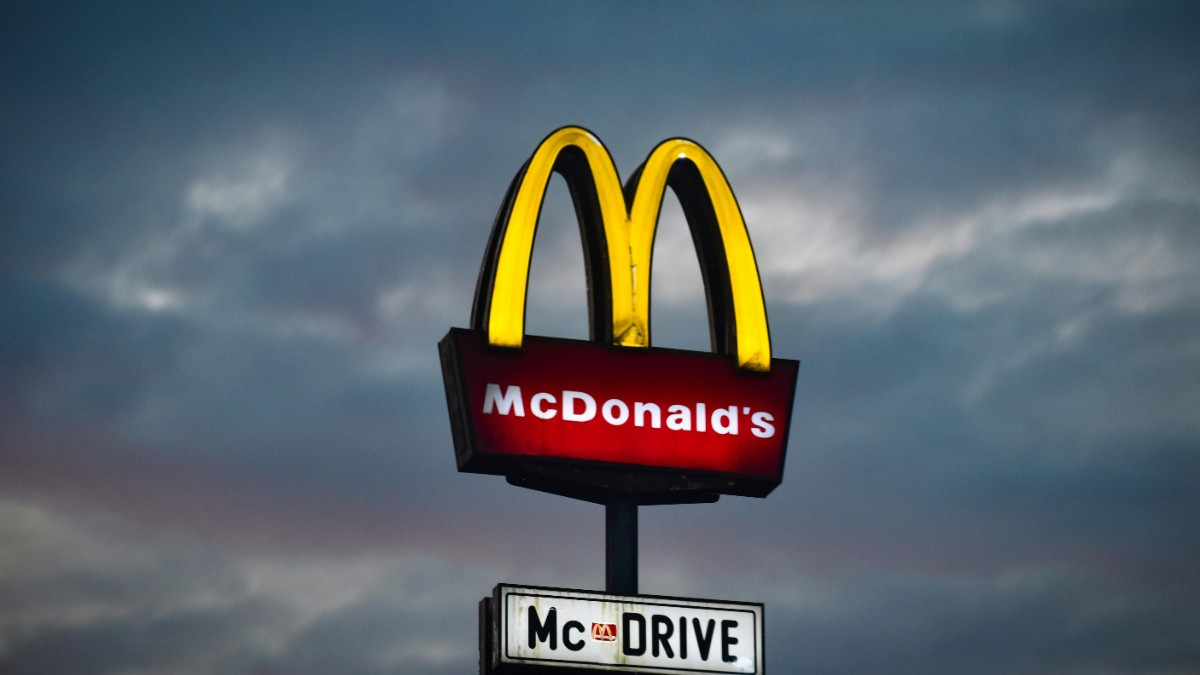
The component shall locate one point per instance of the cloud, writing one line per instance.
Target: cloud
(89, 593)
(1042, 621)
(232, 240)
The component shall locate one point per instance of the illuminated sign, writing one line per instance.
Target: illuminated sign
(531, 627)
(587, 418)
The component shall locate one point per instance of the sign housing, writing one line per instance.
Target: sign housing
(614, 416)
(567, 403)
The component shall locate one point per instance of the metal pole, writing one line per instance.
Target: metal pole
(621, 546)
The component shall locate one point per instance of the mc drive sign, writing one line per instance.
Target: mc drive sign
(634, 634)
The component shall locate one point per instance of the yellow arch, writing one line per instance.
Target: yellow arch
(629, 240)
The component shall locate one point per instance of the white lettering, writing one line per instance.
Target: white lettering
(679, 418)
(763, 424)
(535, 404)
(615, 419)
(509, 401)
(639, 414)
(569, 413)
(579, 406)
(730, 423)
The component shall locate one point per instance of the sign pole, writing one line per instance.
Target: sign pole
(613, 420)
(621, 546)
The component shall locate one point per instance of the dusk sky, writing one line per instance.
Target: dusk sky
(232, 235)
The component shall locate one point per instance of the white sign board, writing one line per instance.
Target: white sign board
(637, 634)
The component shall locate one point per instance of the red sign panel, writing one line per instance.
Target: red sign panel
(645, 409)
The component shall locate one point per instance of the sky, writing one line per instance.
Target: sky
(232, 234)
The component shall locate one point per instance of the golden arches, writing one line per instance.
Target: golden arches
(618, 241)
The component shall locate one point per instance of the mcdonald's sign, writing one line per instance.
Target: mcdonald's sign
(614, 414)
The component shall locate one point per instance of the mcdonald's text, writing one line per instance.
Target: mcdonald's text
(579, 406)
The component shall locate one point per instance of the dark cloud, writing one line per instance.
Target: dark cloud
(65, 357)
(1050, 622)
(193, 640)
